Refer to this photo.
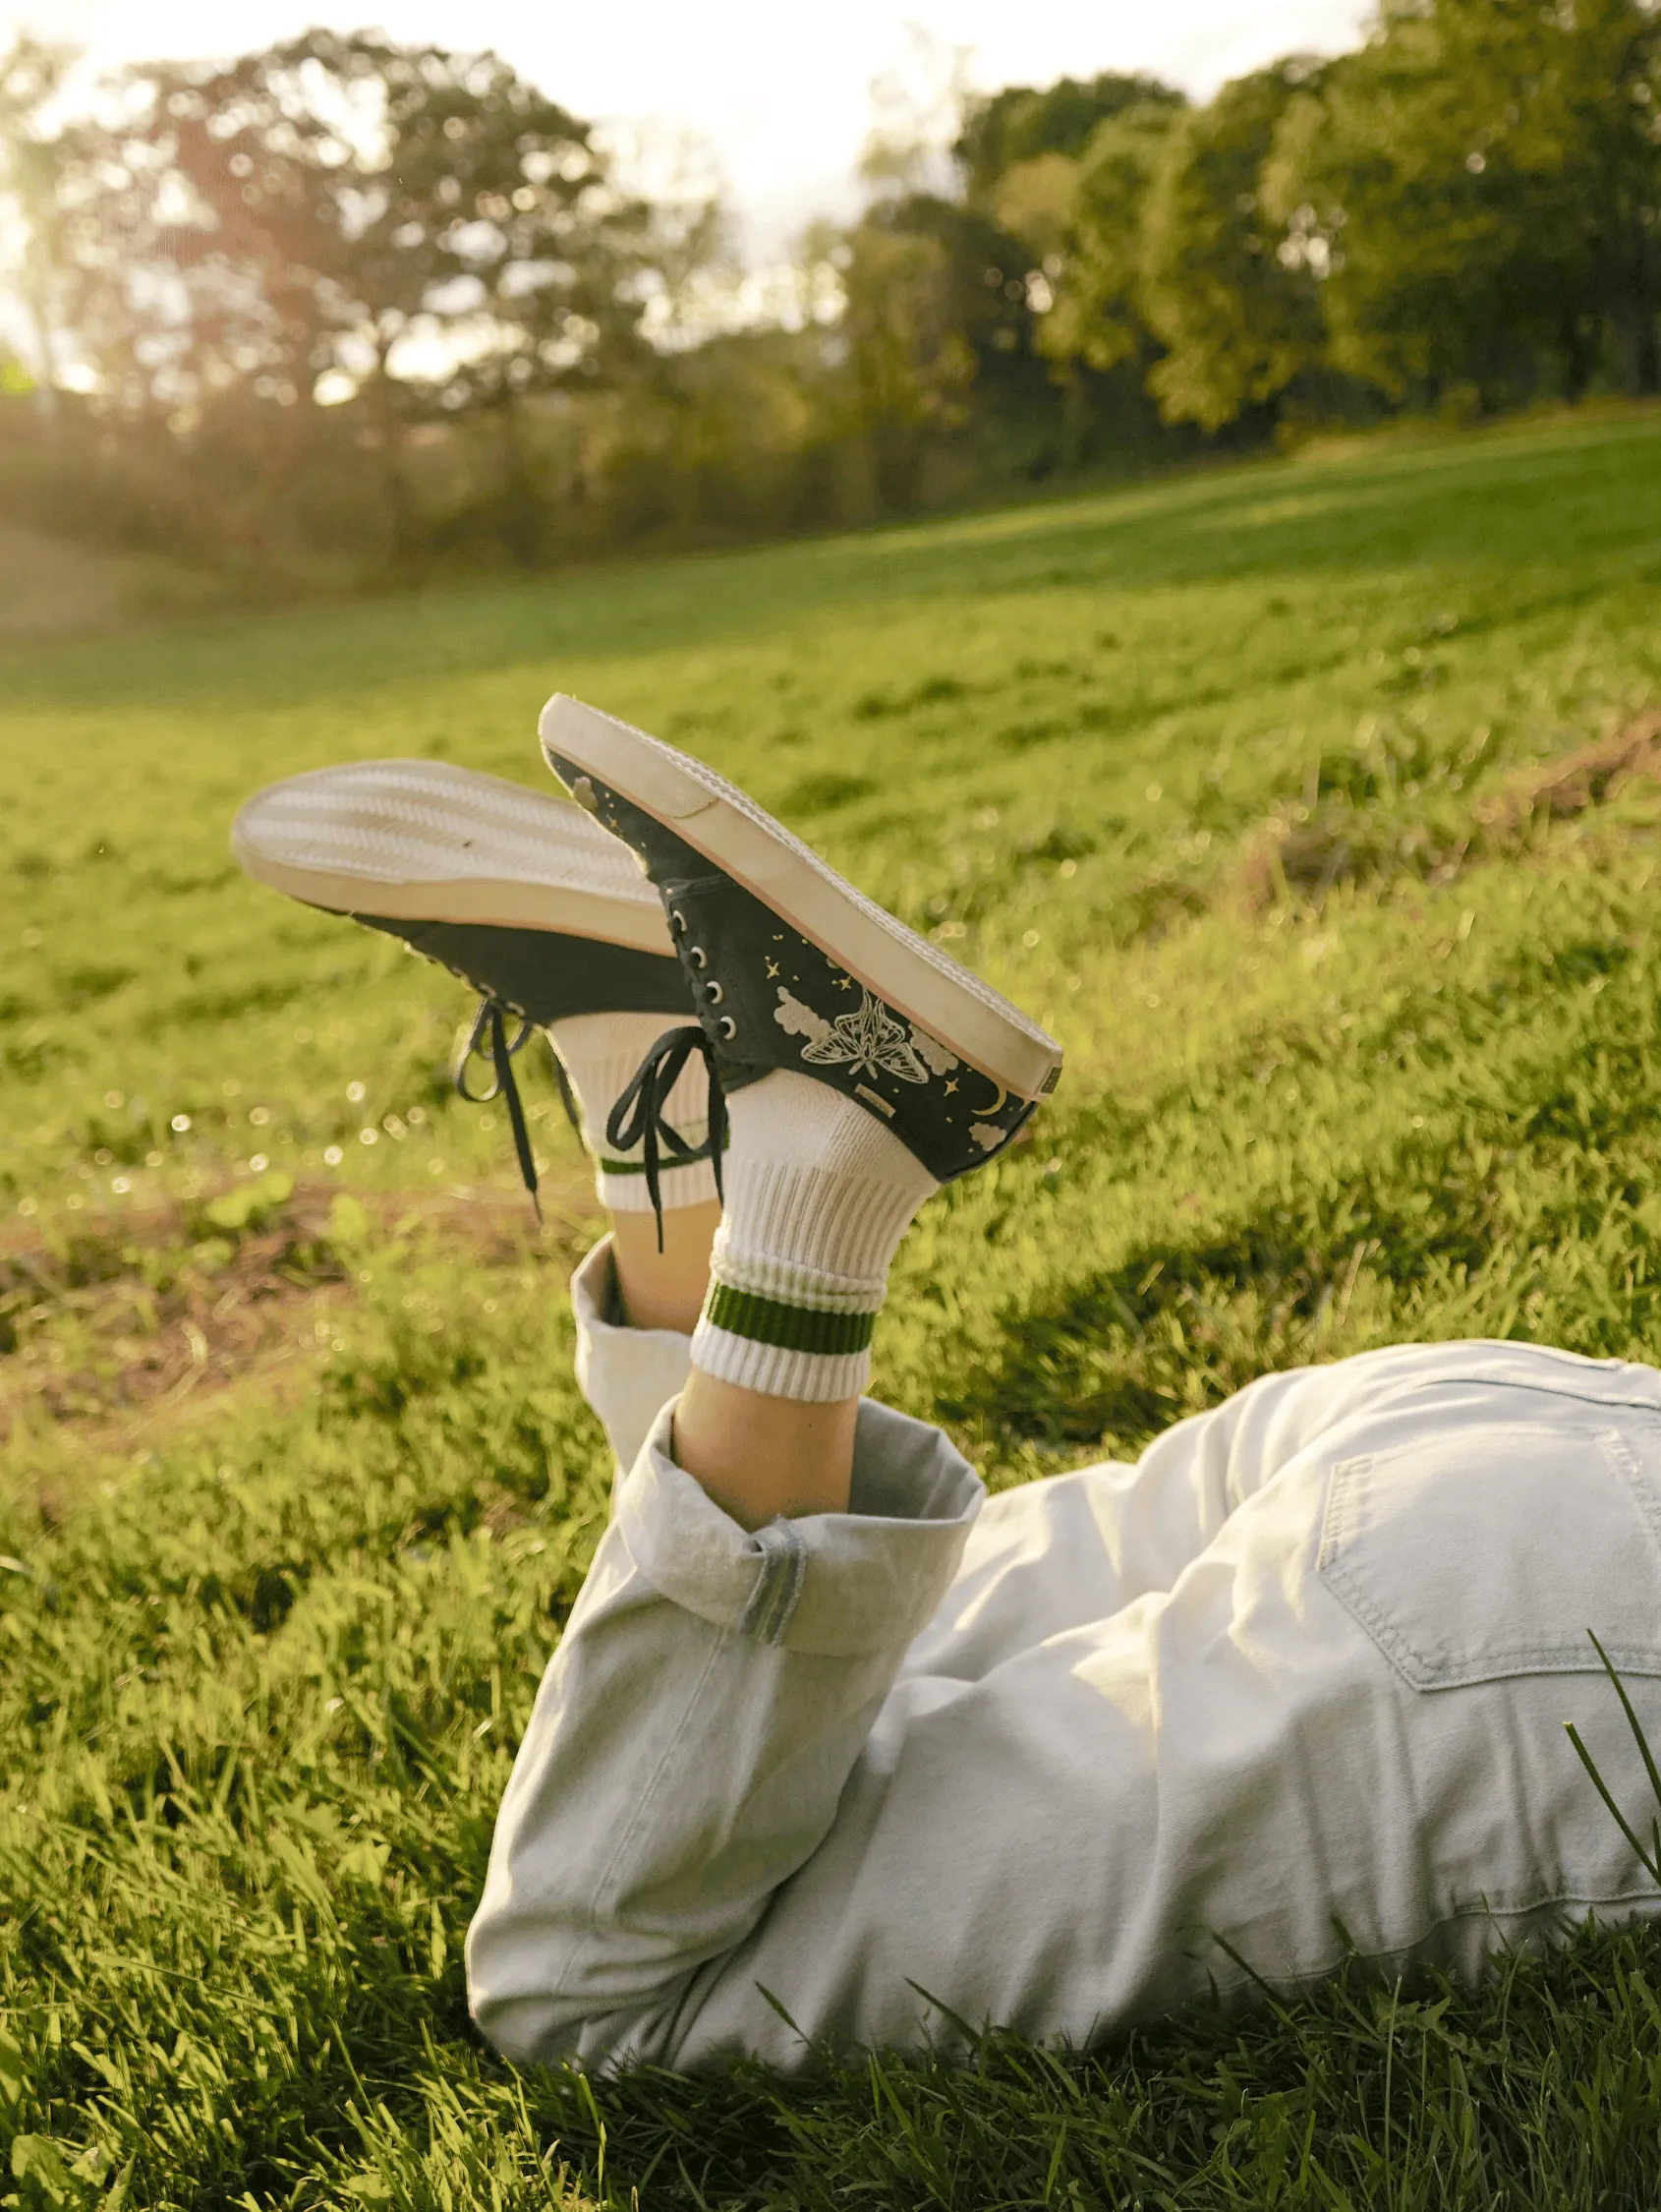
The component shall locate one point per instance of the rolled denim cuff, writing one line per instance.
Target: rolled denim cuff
(627, 1376)
(836, 1585)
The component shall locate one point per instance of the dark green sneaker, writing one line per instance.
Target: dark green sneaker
(518, 894)
(792, 967)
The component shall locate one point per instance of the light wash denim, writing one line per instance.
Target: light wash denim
(1294, 1682)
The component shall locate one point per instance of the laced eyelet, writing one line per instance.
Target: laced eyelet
(697, 956)
(714, 992)
(727, 1027)
(677, 922)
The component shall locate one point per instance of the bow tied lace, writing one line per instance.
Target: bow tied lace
(640, 1118)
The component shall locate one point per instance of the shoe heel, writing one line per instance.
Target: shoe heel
(642, 768)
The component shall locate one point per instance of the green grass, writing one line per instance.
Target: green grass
(1235, 782)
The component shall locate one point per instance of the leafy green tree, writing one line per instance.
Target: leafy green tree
(1480, 185)
(1099, 315)
(912, 365)
(339, 214)
(1240, 324)
(1001, 131)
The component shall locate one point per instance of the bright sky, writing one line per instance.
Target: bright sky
(779, 89)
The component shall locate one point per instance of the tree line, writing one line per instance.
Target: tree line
(345, 302)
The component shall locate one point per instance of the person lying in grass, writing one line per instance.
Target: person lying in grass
(834, 1748)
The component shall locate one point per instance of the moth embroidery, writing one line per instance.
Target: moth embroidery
(869, 1039)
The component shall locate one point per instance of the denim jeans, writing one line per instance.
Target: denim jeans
(1292, 1684)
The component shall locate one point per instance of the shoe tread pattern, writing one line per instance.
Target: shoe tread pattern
(413, 821)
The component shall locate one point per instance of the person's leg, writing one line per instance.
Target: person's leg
(638, 1295)
(1055, 1555)
(819, 1194)
(760, 1458)
(628, 1368)
(1341, 1725)
(744, 1775)
(663, 1273)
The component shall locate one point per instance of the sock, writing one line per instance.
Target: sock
(818, 1194)
(600, 1052)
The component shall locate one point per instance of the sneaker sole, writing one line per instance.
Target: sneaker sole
(918, 980)
(423, 841)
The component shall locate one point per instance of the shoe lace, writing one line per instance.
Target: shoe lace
(639, 1117)
(489, 1038)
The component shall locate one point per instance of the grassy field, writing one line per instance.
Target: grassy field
(1314, 805)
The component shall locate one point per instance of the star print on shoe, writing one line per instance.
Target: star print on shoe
(790, 966)
(523, 898)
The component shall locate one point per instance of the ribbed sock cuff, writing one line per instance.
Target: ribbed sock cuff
(798, 1345)
(818, 1195)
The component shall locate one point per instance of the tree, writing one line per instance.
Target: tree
(910, 363)
(1095, 263)
(338, 215)
(1002, 131)
(33, 156)
(1479, 186)
(1240, 324)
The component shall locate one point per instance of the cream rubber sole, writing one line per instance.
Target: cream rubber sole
(913, 976)
(423, 841)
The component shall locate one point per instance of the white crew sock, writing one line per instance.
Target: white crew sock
(600, 1052)
(818, 1194)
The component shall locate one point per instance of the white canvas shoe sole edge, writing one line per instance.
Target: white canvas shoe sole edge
(918, 980)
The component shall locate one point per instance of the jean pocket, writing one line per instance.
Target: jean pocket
(1478, 1551)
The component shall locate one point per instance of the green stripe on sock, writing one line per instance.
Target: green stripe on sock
(638, 1167)
(792, 1328)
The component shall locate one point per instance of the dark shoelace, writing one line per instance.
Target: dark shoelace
(489, 1029)
(638, 1117)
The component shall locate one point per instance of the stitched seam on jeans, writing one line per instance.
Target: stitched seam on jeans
(1335, 1522)
(1642, 1486)
(1554, 1901)
(1540, 1390)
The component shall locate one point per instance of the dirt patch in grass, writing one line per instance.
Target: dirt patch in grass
(125, 1321)
(1302, 854)
(1586, 778)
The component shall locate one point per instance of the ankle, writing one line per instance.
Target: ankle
(663, 1289)
(760, 1457)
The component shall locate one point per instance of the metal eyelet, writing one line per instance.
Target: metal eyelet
(727, 1027)
(697, 956)
(714, 992)
(677, 922)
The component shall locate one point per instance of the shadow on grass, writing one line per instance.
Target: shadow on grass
(1114, 1357)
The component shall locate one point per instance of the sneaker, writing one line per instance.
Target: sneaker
(518, 894)
(791, 968)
